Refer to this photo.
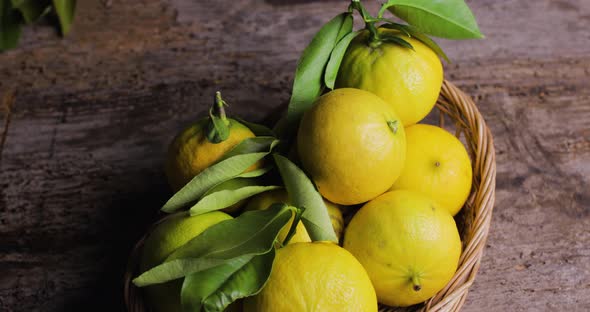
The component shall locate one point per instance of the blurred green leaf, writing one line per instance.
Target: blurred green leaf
(10, 26)
(65, 10)
(32, 10)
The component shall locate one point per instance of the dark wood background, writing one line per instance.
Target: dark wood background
(81, 167)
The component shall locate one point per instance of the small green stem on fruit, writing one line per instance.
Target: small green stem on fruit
(374, 39)
(218, 126)
(416, 283)
(219, 106)
(393, 125)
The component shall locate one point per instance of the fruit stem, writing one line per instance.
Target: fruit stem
(416, 283)
(218, 126)
(218, 105)
(392, 125)
(374, 39)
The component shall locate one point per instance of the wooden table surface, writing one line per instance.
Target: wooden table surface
(81, 166)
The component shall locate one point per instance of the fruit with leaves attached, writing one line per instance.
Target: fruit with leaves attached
(264, 200)
(408, 243)
(319, 276)
(407, 79)
(200, 145)
(169, 235)
(352, 144)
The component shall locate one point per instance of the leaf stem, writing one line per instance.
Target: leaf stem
(393, 125)
(416, 283)
(219, 106)
(374, 38)
(218, 126)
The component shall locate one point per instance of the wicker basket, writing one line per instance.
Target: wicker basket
(473, 220)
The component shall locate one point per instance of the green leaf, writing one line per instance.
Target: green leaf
(175, 269)
(233, 163)
(336, 59)
(450, 19)
(228, 193)
(32, 10)
(198, 286)
(255, 173)
(308, 82)
(393, 25)
(413, 32)
(251, 145)
(280, 127)
(217, 288)
(397, 40)
(250, 234)
(253, 232)
(65, 13)
(303, 194)
(10, 26)
(346, 27)
(257, 129)
(294, 224)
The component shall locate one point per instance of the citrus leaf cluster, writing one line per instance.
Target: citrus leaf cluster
(16, 13)
(318, 66)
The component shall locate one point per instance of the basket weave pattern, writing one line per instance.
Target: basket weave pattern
(473, 220)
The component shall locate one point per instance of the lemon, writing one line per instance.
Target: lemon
(264, 200)
(352, 144)
(191, 152)
(169, 235)
(437, 165)
(409, 80)
(319, 276)
(408, 244)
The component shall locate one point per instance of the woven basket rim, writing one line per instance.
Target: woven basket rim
(477, 211)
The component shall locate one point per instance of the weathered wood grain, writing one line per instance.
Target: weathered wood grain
(80, 171)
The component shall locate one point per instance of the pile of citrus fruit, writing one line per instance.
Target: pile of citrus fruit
(265, 226)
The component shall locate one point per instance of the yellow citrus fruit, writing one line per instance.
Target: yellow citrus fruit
(264, 200)
(352, 144)
(409, 80)
(437, 165)
(168, 236)
(408, 244)
(317, 276)
(191, 152)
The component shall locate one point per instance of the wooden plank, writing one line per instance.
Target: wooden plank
(80, 173)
